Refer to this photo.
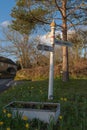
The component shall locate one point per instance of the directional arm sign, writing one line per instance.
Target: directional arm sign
(45, 47)
(63, 43)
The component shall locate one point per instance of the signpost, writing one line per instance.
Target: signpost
(51, 69)
(45, 48)
(51, 49)
(63, 43)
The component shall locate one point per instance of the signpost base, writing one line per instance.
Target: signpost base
(50, 97)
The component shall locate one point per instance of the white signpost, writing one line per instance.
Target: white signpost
(51, 49)
(51, 69)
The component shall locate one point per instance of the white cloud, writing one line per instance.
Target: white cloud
(5, 24)
(46, 39)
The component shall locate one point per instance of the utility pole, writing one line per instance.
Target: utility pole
(51, 69)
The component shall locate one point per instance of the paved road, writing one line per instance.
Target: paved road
(4, 84)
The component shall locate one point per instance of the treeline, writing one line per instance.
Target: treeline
(77, 69)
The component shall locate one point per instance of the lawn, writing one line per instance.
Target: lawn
(71, 95)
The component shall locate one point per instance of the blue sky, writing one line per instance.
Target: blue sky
(5, 10)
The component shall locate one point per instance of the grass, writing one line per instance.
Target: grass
(72, 96)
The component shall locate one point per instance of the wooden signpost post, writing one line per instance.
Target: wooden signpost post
(54, 42)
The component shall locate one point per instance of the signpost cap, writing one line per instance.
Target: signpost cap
(53, 24)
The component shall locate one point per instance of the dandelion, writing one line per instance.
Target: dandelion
(8, 128)
(27, 125)
(65, 99)
(25, 118)
(1, 123)
(32, 87)
(41, 91)
(13, 88)
(60, 117)
(61, 99)
(4, 110)
(9, 115)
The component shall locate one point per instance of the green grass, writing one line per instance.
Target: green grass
(38, 91)
(71, 95)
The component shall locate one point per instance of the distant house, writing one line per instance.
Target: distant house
(7, 65)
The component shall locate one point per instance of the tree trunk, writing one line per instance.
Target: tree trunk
(85, 52)
(65, 49)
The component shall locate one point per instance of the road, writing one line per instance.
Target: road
(5, 84)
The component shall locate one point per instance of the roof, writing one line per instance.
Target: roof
(7, 60)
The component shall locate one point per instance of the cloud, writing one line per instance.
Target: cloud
(46, 39)
(5, 24)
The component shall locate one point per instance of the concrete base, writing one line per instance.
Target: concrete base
(39, 110)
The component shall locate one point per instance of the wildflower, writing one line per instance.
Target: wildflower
(13, 88)
(4, 110)
(65, 99)
(27, 125)
(9, 115)
(41, 91)
(60, 117)
(1, 123)
(25, 118)
(61, 99)
(8, 128)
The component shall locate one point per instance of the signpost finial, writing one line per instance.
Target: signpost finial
(53, 24)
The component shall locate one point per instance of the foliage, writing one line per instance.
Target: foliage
(22, 48)
(79, 35)
(77, 40)
(67, 14)
(27, 14)
(78, 69)
(23, 21)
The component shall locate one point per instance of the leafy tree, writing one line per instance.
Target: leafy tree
(23, 21)
(67, 14)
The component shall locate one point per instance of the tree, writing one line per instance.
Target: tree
(77, 40)
(24, 52)
(18, 47)
(83, 36)
(67, 14)
(23, 21)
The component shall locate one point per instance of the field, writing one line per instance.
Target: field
(71, 95)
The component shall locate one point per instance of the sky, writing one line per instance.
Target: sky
(5, 10)
(5, 18)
